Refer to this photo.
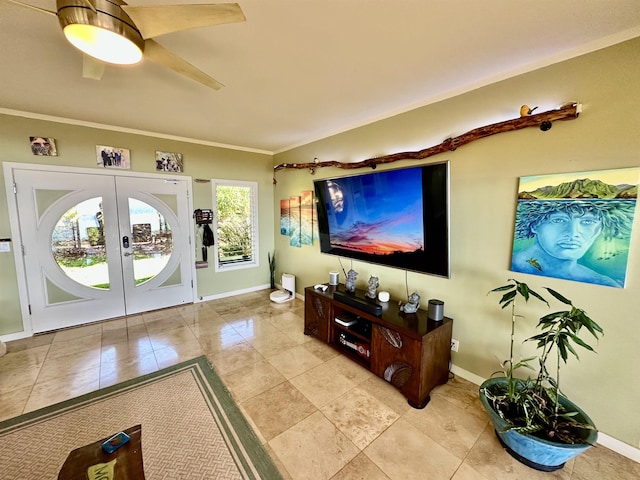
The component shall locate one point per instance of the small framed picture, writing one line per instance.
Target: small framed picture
(168, 162)
(113, 157)
(43, 146)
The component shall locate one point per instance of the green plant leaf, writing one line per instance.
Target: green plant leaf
(558, 296)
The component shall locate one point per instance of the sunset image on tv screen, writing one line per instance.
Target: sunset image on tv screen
(358, 222)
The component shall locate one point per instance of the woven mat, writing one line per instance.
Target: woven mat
(192, 429)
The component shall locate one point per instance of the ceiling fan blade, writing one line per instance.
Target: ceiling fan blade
(37, 9)
(92, 67)
(158, 54)
(158, 20)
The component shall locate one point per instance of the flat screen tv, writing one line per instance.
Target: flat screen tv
(398, 218)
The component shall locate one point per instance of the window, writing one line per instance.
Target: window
(236, 224)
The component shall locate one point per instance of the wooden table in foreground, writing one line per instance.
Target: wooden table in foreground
(129, 458)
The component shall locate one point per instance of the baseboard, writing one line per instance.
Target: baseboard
(232, 293)
(240, 292)
(605, 440)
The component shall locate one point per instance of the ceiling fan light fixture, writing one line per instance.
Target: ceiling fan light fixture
(103, 44)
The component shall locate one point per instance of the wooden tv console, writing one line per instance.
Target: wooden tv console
(409, 350)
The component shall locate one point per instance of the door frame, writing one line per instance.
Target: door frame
(14, 223)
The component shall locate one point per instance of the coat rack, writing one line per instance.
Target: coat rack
(542, 120)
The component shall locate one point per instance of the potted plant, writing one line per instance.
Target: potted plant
(535, 422)
(272, 268)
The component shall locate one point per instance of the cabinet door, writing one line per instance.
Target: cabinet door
(317, 315)
(396, 358)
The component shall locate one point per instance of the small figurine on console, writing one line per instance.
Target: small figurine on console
(413, 305)
(373, 286)
(351, 281)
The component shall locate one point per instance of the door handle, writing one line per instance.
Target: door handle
(127, 254)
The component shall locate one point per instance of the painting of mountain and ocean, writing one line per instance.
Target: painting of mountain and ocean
(576, 226)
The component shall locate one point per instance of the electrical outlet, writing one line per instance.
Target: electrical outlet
(455, 344)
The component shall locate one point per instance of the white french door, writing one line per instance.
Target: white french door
(102, 246)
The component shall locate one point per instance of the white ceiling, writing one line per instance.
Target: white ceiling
(300, 70)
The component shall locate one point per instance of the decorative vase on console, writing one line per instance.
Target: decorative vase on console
(351, 281)
(373, 287)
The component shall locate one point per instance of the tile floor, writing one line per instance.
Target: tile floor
(320, 415)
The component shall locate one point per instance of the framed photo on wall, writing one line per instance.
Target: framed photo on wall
(43, 146)
(113, 157)
(169, 162)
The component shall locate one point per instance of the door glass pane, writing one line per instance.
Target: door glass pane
(152, 240)
(78, 244)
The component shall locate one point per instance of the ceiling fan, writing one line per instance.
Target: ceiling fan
(113, 32)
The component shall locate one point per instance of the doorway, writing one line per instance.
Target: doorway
(99, 246)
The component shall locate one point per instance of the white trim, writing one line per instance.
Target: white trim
(605, 440)
(255, 224)
(232, 293)
(133, 131)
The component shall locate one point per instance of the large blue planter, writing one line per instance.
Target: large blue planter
(536, 452)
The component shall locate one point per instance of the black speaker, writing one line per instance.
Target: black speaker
(436, 310)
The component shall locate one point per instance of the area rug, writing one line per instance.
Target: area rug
(191, 429)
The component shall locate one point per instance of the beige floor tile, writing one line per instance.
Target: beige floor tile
(12, 403)
(294, 361)
(466, 472)
(128, 368)
(287, 321)
(57, 367)
(360, 416)
(313, 449)
(77, 332)
(134, 320)
(320, 349)
(273, 343)
(176, 353)
(31, 342)
(601, 463)
(488, 458)
(124, 350)
(163, 324)
(63, 388)
(253, 328)
(115, 324)
(18, 378)
(29, 357)
(360, 468)
(71, 345)
(168, 337)
(160, 314)
(404, 453)
(249, 381)
(452, 427)
(241, 355)
(322, 384)
(278, 409)
(386, 393)
(115, 335)
(224, 341)
(211, 325)
(350, 369)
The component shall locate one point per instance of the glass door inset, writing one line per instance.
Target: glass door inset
(78, 244)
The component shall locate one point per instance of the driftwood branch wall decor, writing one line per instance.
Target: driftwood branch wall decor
(526, 120)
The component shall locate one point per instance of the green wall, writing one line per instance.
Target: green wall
(76, 147)
(484, 181)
